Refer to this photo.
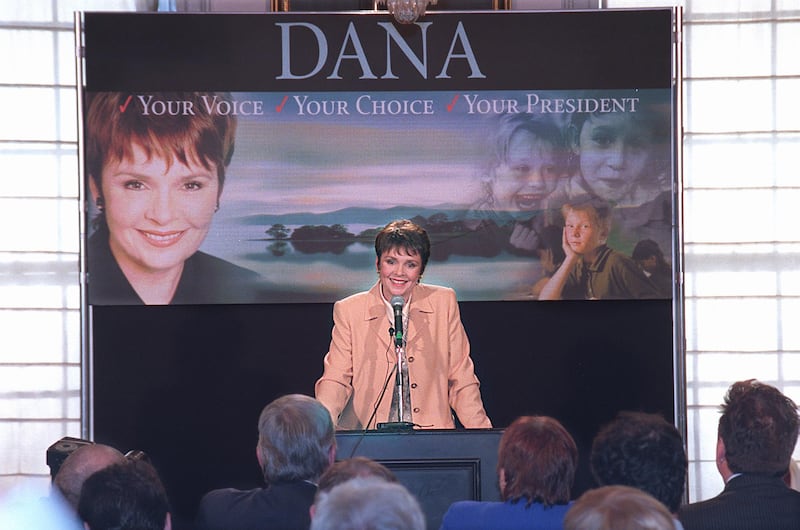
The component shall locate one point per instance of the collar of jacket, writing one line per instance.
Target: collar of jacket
(420, 302)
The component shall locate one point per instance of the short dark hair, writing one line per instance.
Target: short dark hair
(406, 235)
(295, 437)
(759, 427)
(124, 496)
(644, 451)
(538, 457)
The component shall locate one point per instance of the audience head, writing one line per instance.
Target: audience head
(125, 496)
(406, 236)
(368, 503)
(618, 508)
(536, 461)
(344, 470)
(757, 430)
(358, 466)
(644, 451)
(79, 465)
(296, 439)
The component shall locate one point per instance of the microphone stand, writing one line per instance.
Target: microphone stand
(400, 387)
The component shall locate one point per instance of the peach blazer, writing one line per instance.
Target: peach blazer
(362, 357)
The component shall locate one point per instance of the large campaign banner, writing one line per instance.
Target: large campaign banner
(257, 164)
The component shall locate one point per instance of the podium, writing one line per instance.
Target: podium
(438, 466)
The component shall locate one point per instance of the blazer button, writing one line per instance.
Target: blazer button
(413, 385)
(416, 409)
(411, 359)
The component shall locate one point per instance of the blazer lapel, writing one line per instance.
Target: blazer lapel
(420, 307)
(375, 314)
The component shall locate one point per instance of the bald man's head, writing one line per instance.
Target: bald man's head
(79, 465)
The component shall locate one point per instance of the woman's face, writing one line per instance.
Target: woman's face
(583, 235)
(399, 272)
(158, 214)
(615, 152)
(529, 174)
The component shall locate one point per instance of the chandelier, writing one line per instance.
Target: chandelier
(407, 11)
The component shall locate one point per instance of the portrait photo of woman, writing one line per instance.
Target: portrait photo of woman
(155, 166)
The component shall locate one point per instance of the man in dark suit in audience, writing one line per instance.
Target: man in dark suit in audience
(296, 444)
(643, 451)
(756, 436)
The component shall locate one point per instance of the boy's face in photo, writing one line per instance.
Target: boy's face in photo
(583, 234)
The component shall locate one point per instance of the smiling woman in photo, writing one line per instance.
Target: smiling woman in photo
(156, 181)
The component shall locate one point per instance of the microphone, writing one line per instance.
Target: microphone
(397, 305)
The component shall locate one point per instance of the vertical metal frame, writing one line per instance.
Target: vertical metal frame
(679, 298)
(87, 376)
(678, 304)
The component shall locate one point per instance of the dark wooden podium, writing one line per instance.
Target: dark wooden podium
(438, 466)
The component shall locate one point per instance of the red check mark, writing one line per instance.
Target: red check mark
(452, 103)
(283, 104)
(124, 106)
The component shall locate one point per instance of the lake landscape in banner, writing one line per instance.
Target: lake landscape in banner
(327, 270)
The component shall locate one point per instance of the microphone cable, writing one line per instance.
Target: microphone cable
(391, 371)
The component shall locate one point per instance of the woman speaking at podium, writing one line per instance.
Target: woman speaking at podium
(400, 318)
